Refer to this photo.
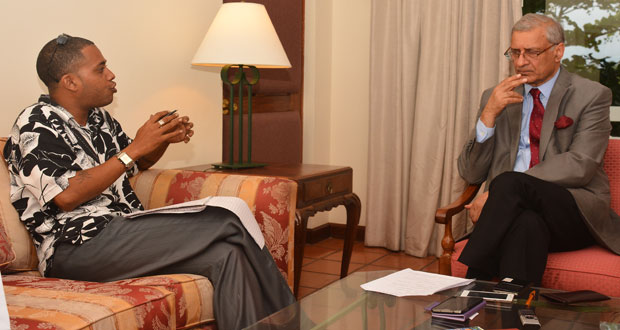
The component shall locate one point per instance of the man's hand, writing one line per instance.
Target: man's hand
(503, 94)
(184, 130)
(149, 145)
(158, 132)
(476, 206)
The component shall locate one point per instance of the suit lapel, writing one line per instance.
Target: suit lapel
(551, 111)
(514, 112)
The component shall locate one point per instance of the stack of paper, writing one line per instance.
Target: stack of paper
(187, 207)
(234, 204)
(408, 282)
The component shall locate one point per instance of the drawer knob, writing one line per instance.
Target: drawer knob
(330, 188)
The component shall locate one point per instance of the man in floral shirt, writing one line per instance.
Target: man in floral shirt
(70, 162)
(52, 154)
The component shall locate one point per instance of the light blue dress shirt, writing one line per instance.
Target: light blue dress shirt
(484, 133)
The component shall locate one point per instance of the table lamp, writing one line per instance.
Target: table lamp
(242, 36)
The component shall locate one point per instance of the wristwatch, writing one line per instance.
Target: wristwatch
(125, 159)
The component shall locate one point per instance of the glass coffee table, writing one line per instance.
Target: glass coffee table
(344, 305)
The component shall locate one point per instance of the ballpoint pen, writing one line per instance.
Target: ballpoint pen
(168, 114)
(161, 121)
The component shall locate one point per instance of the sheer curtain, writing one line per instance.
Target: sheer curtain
(430, 62)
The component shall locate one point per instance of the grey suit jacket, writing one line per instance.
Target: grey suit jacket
(570, 157)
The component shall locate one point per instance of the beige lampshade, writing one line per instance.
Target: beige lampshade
(242, 33)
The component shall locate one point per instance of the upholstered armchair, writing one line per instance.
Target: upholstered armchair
(594, 268)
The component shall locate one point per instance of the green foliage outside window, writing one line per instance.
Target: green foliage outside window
(592, 31)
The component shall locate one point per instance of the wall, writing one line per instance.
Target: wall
(336, 88)
(148, 45)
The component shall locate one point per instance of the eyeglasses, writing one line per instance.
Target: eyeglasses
(61, 40)
(529, 54)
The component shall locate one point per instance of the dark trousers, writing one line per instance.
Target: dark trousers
(213, 243)
(523, 219)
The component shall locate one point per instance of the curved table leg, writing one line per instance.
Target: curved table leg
(301, 223)
(353, 205)
(354, 208)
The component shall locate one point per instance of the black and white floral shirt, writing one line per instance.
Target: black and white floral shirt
(45, 149)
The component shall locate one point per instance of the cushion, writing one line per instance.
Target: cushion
(7, 255)
(611, 164)
(593, 268)
(18, 252)
(193, 296)
(46, 303)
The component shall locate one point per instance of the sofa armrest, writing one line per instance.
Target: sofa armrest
(444, 216)
(271, 199)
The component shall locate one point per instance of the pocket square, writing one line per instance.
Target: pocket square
(563, 122)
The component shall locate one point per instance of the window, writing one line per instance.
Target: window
(592, 30)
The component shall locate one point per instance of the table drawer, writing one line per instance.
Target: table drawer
(325, 187)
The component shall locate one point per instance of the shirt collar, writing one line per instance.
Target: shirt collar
(545, 89)
(93, 121)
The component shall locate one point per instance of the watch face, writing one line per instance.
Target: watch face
(125, 159)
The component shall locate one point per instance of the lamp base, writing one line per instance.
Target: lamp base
(236, 166)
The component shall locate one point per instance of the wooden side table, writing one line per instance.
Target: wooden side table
(319, 188)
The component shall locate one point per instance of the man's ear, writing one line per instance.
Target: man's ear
(70, 82)
(558, 52)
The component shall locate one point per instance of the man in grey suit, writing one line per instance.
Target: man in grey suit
(539, 141)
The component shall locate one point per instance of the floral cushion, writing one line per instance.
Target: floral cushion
(193, 296)
(47, 303)
(272, 200)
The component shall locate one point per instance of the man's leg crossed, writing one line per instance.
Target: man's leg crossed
(212, 243)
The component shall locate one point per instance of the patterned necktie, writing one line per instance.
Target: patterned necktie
(536, 119)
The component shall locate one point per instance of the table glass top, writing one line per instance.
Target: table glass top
(344, 305)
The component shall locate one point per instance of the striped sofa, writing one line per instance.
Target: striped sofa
(177, 301)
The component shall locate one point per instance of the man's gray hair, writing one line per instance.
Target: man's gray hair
(554, 31)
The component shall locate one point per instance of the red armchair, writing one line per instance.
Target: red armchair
(594, 268)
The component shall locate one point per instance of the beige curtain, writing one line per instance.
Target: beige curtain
(430, 62)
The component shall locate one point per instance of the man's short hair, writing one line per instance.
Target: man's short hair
(59, 57)
(554, 31)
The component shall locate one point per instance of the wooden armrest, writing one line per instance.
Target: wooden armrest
(444, 216)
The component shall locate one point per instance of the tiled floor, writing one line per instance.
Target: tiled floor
(322, 263)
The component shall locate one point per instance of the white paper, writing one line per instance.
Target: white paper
(240, 208)
(408, 282)
(187, 207)
(5, 322)
(234, 204)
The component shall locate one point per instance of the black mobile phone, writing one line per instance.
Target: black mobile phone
(493, 296)
(510, 285)
(457, 305)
